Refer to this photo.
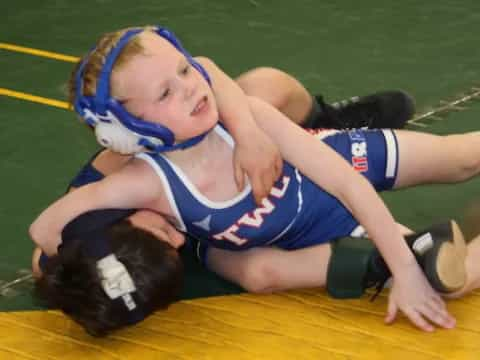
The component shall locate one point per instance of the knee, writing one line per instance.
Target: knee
(468, 168)
(468, 158)
(259, 276)
(263, 74)
(270, 84)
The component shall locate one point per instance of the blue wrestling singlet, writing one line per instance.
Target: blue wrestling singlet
(296, 214)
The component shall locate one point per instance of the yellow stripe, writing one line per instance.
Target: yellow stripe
(38, 52)
(34, 98)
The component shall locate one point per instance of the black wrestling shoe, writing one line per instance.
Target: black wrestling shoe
(440, 251)
(356, 265)
(381, 110)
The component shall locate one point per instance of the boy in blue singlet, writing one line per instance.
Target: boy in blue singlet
(162, 102)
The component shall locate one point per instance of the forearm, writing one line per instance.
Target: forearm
(370, 211)
(232, 102)
(121, 190)
(312, 157)
(255, 154)
(46, 230)
(357, 194)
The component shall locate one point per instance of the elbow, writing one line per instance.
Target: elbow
(40, 239)
(33, 232)
(36, 271)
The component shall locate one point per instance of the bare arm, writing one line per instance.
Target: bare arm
(120, 190)
(411, 292)
(108, 162)
(312, 157)
(255, 153)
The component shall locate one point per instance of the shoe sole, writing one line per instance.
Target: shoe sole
(448, 265)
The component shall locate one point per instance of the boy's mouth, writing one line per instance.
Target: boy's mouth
(201, 105)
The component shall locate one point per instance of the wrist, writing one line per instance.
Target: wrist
(239, 128)
(397, 255)
(403, 262)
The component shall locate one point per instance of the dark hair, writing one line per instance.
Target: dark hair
(71, 282)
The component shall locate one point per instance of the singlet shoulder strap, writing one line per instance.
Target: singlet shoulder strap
(87, 174)
(164, 172)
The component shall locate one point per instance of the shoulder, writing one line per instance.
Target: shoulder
(138, 171)
(108, 162)
(151, 186)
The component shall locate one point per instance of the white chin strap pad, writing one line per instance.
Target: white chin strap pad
(117, 138)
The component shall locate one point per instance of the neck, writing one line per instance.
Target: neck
(197, 153)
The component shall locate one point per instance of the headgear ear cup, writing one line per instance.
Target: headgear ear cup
(117, 138)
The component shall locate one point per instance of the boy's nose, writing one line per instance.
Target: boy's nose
(189, 85)
(189, 89)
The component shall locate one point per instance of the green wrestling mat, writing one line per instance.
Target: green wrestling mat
(339, 49)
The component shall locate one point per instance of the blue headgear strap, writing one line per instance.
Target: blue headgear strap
(94, 108)
(92, 229)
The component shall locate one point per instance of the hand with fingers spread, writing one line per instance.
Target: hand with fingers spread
(258, 157)
(413, 295)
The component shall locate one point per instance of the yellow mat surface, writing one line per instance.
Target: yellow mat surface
(293, 325)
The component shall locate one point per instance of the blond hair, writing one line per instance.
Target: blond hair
(96, 59)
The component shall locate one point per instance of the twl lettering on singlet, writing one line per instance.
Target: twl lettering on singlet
(254, 218)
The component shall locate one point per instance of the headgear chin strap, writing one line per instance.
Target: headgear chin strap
(115, 127)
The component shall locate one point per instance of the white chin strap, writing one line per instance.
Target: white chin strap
(118, 138)
(112, 134)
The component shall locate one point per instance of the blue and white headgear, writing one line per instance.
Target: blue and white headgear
(116, 128)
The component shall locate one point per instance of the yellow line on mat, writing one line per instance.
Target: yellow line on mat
(38, 52)
(34, 98)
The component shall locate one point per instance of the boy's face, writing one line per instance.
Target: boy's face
(162, 87)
